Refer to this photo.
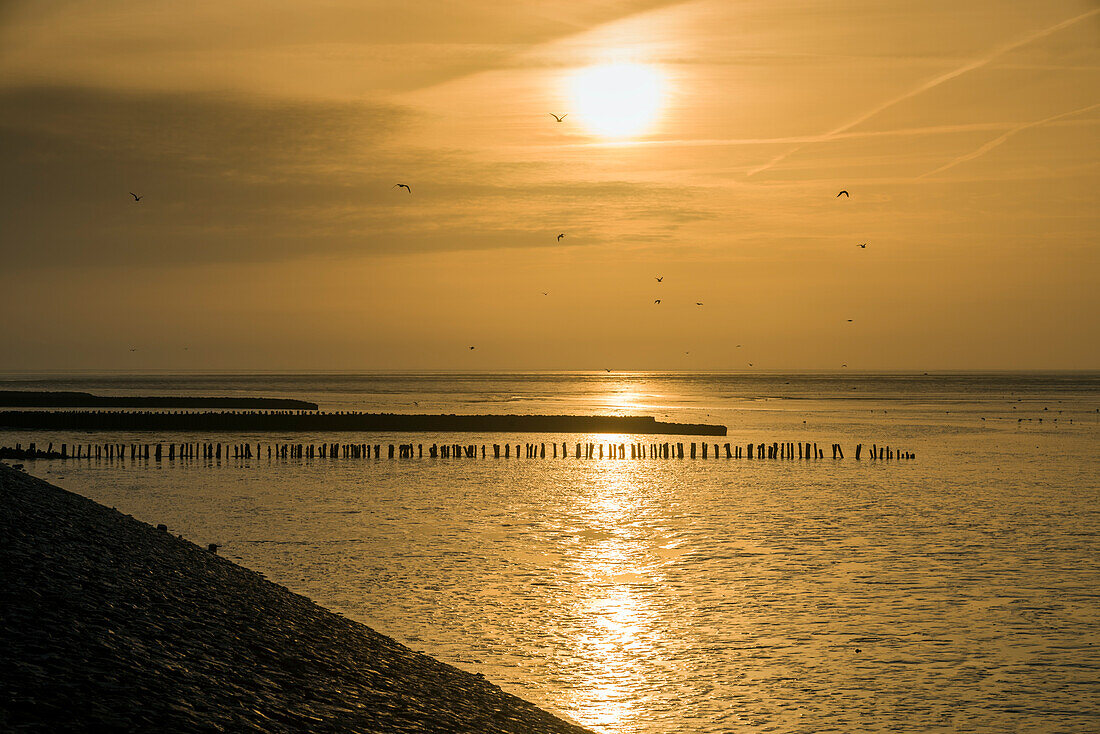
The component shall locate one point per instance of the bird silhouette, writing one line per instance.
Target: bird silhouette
(545, 293)
(133, 349)
(559, 119)
(849, 321)
(738, 346)
(656, 300)
(471, 347)
(560, 236)
(136, 197)
(845, 193)
(698, 303)
(844, 365)
(404, 186)
(605, 369)
(659, 278)
(750, 364)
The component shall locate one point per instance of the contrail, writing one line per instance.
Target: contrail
(934, 82)
(1003, 137)
(968, 127)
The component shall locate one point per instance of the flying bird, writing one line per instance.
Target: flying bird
(659, 278)
(545, 293)
(750, 364)
(656, 300)
(559, 119)
(844, 193)
(849, 321)
(698, 303)
(136, 197)
(471, 347)
(560, 236)
(404, 186)
(863, 246)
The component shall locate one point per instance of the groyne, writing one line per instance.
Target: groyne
(109, 624)
(158, 452)
(66, 399)
(304, 422)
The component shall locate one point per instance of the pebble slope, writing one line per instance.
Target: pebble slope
(108, 623)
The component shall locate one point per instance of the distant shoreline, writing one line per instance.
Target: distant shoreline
(70, 399)
(346, 421)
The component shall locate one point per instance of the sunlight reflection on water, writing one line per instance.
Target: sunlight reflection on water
(954, 592)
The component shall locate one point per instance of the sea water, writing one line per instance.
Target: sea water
(958, 591)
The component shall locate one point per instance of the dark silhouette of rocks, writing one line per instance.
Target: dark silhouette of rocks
(345, 421)
(109, 624)
(33, 399)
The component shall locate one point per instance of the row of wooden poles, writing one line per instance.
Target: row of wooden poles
(172, 451)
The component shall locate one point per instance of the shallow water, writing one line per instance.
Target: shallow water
(959, 591)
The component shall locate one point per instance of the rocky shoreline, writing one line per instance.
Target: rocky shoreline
(109, 624)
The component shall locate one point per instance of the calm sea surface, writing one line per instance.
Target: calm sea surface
(959, 591)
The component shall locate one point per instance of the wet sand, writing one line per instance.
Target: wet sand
(107, 623)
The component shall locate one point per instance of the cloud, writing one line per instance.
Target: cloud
(223, 177)
(335, 49)
(232, 178)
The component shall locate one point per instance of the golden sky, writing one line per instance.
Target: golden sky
(704, 142)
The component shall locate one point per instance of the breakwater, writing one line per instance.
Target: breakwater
(110, 624)
(67, 399)
(304, 422)
(635, 450)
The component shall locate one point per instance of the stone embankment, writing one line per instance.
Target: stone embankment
(109, 624)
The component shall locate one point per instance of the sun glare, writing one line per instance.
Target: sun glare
(617, 100)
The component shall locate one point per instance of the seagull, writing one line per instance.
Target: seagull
(559, 119)
(560, 236)
(698, 303)
(659, 278)
(404, 186)
(604, 369)
(845, 193)
(136, 197)
(656, 300)
(863, 246)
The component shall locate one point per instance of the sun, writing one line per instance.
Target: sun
(617, 100)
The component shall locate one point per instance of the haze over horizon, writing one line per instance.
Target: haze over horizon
(704, 142)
